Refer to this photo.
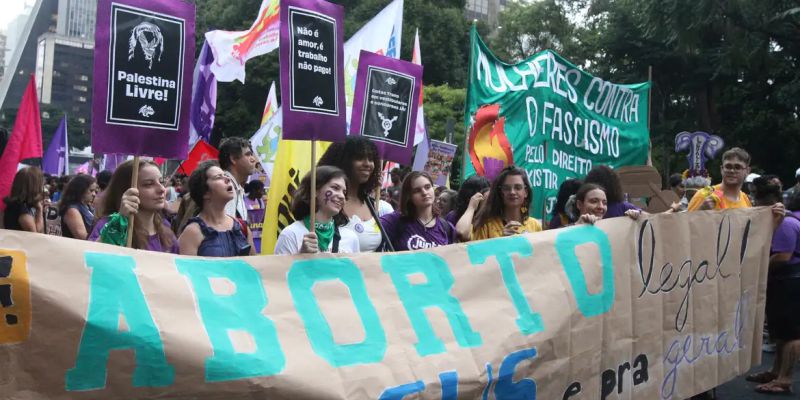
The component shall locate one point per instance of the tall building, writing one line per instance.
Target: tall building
(57, 45)
(2, 54)
(484, 10)
(76, 18)
(14, 31)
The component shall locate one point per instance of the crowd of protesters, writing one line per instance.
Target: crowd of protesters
(205, 214)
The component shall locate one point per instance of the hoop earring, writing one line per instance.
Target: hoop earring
(524, 210)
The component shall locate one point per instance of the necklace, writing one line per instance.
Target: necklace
(425, 223)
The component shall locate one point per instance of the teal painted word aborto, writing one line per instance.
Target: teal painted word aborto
(434, 293)
(590, 305)
(240, 311)
(116, 292)
(528, 321)
(302, 277)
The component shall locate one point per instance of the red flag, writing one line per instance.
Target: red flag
(25, 141)
(201, 151)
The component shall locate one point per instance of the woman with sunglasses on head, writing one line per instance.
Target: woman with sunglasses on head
(26, 203)
(417, 225)
(591, 205)
(212, 233)
(329, 234)
(151, 230)
(506, 210)
(76, 207)
(358, 158)
(608, 179)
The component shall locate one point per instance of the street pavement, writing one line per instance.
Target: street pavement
(739, 389)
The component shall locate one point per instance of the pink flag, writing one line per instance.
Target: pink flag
(25, 141)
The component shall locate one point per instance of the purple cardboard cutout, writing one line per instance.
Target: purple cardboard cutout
(143, 60)
(701, 147)
(312, 67)
(387, 115)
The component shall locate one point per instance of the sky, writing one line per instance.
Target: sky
(12, 8)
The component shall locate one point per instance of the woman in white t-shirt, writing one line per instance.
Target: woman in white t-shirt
(327, 237)
(358, 158)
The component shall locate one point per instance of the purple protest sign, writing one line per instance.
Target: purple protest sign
(385, 104)
(312, 65)
(143, 59)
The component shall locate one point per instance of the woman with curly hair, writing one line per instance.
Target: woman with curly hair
(358, 158)
(76, 207)
(506, 210)
(213, 232)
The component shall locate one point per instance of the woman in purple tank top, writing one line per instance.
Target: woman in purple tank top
(212, 233)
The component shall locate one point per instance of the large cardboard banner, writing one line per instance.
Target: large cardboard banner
(386, 103)
(143, 60)
(661, 308)
(312, 67)
(549, 117)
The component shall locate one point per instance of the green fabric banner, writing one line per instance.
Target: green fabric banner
(551, 119)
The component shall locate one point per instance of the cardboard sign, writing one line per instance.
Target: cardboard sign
(385, 105)
(312, 84)
(661, 308)
(144, 55)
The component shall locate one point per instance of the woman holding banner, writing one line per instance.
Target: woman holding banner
(151, 230)
(506, 210)
(329, 235)
(358, 158)
(212, 233)
(591, 205)
(604, 176)
(417, 225)
(26, 202)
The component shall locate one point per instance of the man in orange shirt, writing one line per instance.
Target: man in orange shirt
(728, 194)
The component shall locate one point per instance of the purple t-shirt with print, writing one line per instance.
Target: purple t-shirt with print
(786, 238)
(411, 235)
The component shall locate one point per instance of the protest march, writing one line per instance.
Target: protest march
(345, 249)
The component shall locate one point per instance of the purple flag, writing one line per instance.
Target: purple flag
(385, 104)
(143, 77)
(204, 98)
(56, 158)
(312, 65)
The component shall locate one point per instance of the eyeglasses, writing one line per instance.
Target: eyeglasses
(508, 188)
(734, 167)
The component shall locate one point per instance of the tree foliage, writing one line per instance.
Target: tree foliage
(725, 67)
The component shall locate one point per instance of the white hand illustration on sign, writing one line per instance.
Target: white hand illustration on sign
(391, 81)
(318, 101)
(386, 123)
(148, 36)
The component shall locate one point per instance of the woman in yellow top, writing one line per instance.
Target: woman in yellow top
(506, 210)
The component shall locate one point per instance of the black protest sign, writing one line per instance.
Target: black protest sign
(146, 61)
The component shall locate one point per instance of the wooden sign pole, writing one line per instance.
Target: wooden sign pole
(134, 183)
(313, 201)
